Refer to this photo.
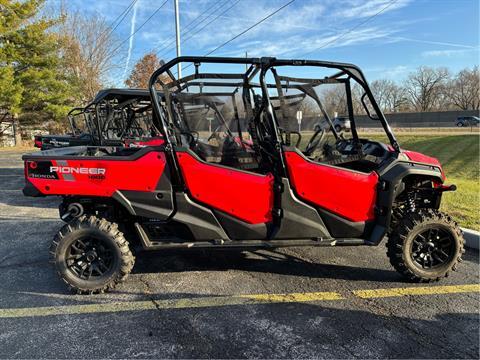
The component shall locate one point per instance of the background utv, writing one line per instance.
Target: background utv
(235, 172)
(115, 117)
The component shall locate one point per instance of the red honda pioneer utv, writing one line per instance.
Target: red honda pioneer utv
(241, 168)
(115, 117)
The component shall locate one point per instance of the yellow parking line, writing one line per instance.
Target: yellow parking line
(423, 290)
(76, 309)
(218, 301)
(294, 297)
(195, 302)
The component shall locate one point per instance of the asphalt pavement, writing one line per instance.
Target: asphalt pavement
(290, 303)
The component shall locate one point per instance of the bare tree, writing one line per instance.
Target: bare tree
(91, 51)
(334, 100)
(380, 89)
(464, 90)
(390, 96)
(425, 87)
(357, 93)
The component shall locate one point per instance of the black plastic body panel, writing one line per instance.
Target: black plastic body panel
(340, 227)
(30, 190)
(390, 186)
(240, 230)
(298, 220)
(59, 141)
(157, 204)
(201, 221)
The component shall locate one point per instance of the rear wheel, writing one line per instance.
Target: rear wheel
(425, 246)
(91, 255)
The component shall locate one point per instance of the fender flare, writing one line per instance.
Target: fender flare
(390, 185)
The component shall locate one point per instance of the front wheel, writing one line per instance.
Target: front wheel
(91, 255)
(425, 246)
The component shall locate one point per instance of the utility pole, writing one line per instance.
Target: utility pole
(177, 31)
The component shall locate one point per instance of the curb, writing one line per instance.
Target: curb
(472, 238)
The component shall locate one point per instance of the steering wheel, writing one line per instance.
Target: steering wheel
(317, 139)
(193, 140)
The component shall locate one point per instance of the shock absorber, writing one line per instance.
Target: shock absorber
(411, 201)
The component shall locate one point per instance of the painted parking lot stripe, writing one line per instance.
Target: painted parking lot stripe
(217, 301)
(423, 290)
(195, 302)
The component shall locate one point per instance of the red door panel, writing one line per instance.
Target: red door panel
(347, 193)
(248, 197)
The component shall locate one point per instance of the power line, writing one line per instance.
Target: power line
(250, 28)
(204, 12)
(203, 27)
(167, 43)
(138, 28)
(352, 28)
(246, 30)
(209, 15)
(109, 29)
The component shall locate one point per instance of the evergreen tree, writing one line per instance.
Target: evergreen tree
(32, 77)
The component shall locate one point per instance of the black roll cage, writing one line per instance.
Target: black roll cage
(263, 65)
(71, 119)
(94, 125)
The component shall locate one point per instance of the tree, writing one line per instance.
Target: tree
(426, 87)
(334, 100)
(30, 68)
(90, 50)
(142, 71)
(390, 97)
(464, 90)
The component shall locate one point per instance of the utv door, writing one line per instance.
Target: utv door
(242, 201)
(325, 164)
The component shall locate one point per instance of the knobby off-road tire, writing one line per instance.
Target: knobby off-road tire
(91, 255)
(425, 245)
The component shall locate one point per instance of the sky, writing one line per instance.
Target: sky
(386, 38)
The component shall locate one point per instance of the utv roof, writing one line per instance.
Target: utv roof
(121, 94)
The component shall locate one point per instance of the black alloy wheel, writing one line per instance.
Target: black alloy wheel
(433, 248)
(90, 258)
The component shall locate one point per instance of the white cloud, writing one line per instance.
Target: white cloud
(363, 9)
(447, 53)
(301, 45)
(395, 72)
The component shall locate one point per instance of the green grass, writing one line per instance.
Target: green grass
(459, 156)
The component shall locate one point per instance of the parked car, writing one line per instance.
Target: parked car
(467, 121)
(340, 123)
